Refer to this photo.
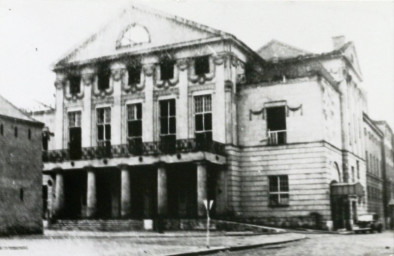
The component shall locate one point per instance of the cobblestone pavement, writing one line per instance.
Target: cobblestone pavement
(328, 245)
(124, 243)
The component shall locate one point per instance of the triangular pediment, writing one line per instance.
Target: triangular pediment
(349, 51)
(138, 29)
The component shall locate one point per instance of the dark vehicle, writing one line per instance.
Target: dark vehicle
(368, 223)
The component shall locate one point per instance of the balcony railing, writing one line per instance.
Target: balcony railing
(135, 149)
(277, 137)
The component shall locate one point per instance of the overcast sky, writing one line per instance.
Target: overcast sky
(36, 33)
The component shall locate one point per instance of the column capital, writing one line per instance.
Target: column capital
(201, 162)
(160, 164)
(123, 166)
(58, 170)
(88, 168)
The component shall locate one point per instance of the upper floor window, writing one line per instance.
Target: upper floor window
(75, 134)
(278, 190)
(353, 175)
(201, 65)
(134, 127)
(276, 125)
(75, 84)
(74, 119)
(1, 129)
(358, 169)
(134, 74)
(104, 74)
(167, 69)
(203, 119)
(168, 124)
(29, 134)
(103, 126)
(16, 132)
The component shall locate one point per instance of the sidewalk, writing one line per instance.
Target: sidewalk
(134, 243)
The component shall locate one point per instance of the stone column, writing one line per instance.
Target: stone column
(125, 196)
(116, 125)
(147, 107)
(87, 82)
(229, 111)
(91, 193)
(59, 194)
(202, 193)
(182, 116)
(343, 87)
(162, 201)
(59, 84)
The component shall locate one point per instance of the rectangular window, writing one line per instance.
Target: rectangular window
(134, 128)
(74, 119)
(201, 65)
(276, 125)
(75, 84)
(203, 120)
(278, 190)
(167, 125)
(134, 73)
(104, 75)
(353, 175)
(358, 169)
(104, 127)
(75, 135)
(167, 70)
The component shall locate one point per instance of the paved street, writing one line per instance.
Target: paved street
(327, 245)
(59, 243)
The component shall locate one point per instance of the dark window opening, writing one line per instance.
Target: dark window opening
(167, 70)
(16, 131)
(104, 131)
(278, 190)
(75, 133)
(1, 129)
(134, 128)
(201, 65)
(21, 194)
(167, 126)
(45, 143)
(203, 120)
(104, 75)
(276, 125)
(75, 84)
(134, 74)
(29, 134)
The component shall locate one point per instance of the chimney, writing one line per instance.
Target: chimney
(338, 41)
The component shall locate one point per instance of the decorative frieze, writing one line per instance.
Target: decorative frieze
(105, 100)
(169, 91)
(133, 96)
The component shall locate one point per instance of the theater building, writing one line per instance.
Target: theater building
(20, 171)
(155, 113)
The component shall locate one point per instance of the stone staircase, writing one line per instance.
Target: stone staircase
(97, 225)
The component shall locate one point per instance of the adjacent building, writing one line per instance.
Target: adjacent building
(388, 172)
(155, 114)
(20, 171)
(374, 153)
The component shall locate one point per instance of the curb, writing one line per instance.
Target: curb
(234, 248)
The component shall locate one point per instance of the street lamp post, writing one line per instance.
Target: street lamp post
(208, 205)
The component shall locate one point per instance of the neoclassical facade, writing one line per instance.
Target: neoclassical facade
(155, 114)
